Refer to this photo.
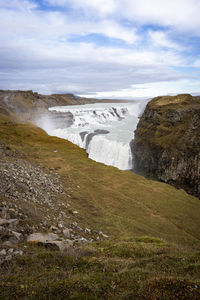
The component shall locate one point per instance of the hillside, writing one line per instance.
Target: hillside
(27, 104)
(116, 235)
(167, 142)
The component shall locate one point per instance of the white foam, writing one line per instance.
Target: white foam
(119, 119)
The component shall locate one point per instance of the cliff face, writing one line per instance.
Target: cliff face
(167, 142)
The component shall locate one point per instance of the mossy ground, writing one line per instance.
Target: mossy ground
(130, 269)
(127, 207)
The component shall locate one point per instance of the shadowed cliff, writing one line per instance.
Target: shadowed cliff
(167, 142)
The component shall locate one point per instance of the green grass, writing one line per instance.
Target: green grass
(153, 229)
(102, 272)
(120, 203)
(179, 101)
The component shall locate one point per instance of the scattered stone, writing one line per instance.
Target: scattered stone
(60, 226)
(10, 251)
(87, 230)
(103, 235)
(8, 257)
(20, 252)
(13, 222)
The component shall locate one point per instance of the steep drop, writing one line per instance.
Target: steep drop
(167, 142)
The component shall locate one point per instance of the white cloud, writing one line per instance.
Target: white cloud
(37, 52)
(180, 14)
(56, 24)
(160, 38)
(23, 5)
(196, 63)
(101, 7)
(154, 89)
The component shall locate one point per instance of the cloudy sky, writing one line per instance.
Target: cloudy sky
(101, 48)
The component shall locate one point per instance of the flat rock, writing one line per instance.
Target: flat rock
(42, 237)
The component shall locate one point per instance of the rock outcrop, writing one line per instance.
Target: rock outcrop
(167, 142)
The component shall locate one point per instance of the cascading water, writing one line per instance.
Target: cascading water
(104, 130)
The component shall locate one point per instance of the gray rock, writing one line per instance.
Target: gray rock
(10, 251)
(82, 240)
(42, 237)
(66, 233)
(20, 252)
(63, 245)
(2, 252)
(9, 257)
(3, 222)
(103, 235)
(13, 222)
(60, 226)
(17, 235)
(8, 243)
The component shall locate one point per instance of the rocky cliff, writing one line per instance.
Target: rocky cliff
(167, 142)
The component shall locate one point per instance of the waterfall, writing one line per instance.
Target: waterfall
(104, 130)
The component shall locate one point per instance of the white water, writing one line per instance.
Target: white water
(117, 123)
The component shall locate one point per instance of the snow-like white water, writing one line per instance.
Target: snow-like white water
(104, 130)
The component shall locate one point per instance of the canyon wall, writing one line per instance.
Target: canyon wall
(167, 142)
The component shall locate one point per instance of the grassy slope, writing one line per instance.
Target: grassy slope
(122, 205)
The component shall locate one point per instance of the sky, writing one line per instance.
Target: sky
(124, 49)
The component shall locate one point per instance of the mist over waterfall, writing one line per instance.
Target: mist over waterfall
(103, 129)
